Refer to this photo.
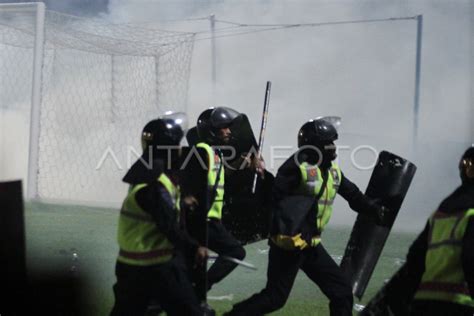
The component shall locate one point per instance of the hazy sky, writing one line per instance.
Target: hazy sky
(361, 72)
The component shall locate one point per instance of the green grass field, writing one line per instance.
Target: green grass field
(55, 232)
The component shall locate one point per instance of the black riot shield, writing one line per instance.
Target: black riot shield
(394, 298)
(389, 183)
(246, 215)
(243, 138)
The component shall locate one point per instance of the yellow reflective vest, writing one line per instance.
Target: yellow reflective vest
(140, 241)
(311, 184)
(443, 279)
(214, 164)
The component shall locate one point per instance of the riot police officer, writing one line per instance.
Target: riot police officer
(304, 191)
(152, 243)
(440, 262)
(203, 186)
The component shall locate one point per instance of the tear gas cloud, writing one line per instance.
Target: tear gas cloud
(363, 72)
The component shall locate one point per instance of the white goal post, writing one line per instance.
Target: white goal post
(90, 87)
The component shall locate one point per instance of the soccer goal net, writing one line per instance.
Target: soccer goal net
(90, 88)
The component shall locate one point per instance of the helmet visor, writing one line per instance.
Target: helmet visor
(223, 117)
(175, 120)
(334, 120)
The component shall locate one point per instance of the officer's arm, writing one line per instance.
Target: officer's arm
(193, 183)
(404, 287)
(287, 179)
(156, 201)
(468, 255)
(358, 201)
(416, 260)
(194, 172)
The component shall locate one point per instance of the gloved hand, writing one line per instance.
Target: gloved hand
(254, 163)
(201, 256)
(189, 202)
(290, 242)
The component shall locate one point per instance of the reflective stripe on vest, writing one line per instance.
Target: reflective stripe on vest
(443, 279)
(214, 163)
(140, 241)
(311, 182)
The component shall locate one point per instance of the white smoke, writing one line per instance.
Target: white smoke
(361, 72)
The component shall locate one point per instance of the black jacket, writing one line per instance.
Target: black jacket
(288, 180)
(155, 200)
(461, 199)
(193, 179)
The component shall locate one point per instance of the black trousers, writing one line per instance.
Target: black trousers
(167, 283)
(439, 308)
(283, 267)
(224, 244)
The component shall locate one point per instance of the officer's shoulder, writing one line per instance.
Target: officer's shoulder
(290, 165)
(143, 171)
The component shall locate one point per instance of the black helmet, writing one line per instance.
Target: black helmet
(466, 166)
(213, 119)
(316, 132)
(167, 130)
(223, 117)
(204, 125)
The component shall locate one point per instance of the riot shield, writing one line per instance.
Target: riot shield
(389, 183)
(246, 215)
(243, 138)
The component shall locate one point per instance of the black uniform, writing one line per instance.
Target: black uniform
(461, 198)
(167, 283)
(219, 240)
(283, 265)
